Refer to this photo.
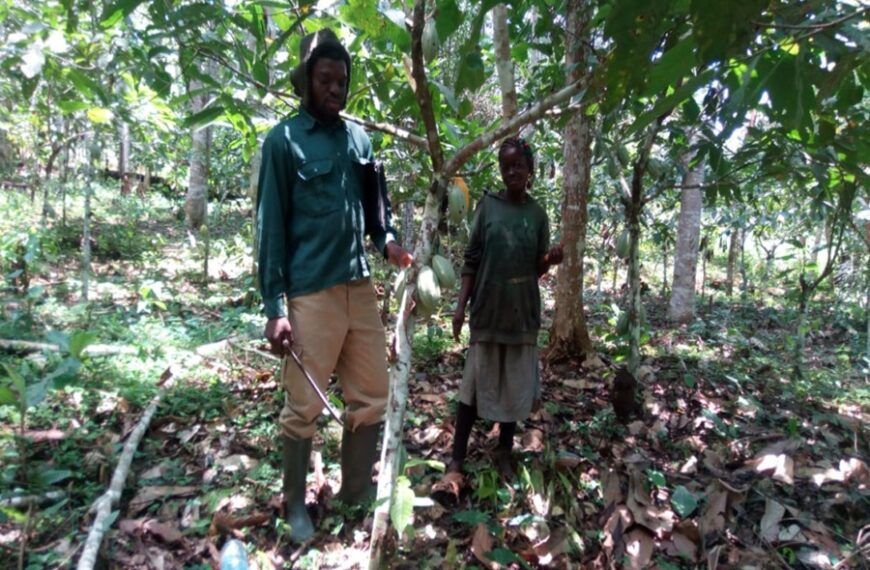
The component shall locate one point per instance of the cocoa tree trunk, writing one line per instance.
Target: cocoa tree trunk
(732, 261)
(504, 65)
(196, 200)
(569, 335)
(681, 307)
(124, 157)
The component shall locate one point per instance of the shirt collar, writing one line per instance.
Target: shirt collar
(309, 123)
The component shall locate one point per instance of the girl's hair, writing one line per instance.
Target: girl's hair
(522, 145)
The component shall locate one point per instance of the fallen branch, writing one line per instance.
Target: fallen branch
(28, 500)
(12, 345)
(104, 504)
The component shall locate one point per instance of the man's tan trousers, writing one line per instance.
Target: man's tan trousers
(336, 329)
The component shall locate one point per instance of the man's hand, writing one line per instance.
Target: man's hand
(279, 333)
(555, 255)
(458, 321)
(398, 255)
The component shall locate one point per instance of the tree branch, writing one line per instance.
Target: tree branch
(816, 27)
(532, 114)
(424, 98)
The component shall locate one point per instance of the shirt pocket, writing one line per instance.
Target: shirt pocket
(317, 190)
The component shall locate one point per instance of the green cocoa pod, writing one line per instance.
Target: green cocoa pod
(444, 272)
(623, 245)
(428, 290)
(622, 154)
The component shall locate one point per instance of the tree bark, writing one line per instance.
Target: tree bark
(124, 157)
(503, 63)
(93, 157)
(196, 201)
(569, 335)
(733, 241)
(681, 307)
(253, 182)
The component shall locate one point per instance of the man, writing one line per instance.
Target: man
(311, 229)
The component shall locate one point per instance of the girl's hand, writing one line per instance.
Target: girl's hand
(458, 321)
(555, 255)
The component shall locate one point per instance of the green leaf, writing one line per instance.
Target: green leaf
(431, 463)
(472, 517)
(402, 508)
(665, 104)
(448, 18)
(99, 115)
(36, 392)
(7, 397)
(118, 10)
(471, 72)
(69, 107)
(684, 501)
(204, 118)
(675, 64)
(52, 476)
(657, 478)
(79, 341)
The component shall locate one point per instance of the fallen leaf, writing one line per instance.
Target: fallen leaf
(773, 513)
(481, 545)
(685, 547)
(148, 495)
(690, 467)
(533, 440)
(712, 519)
(446, 491)
(638, 548)
(238, 462)
(611, 488)
(615, 525)
(567, 461)
(782, 466)
(789, 533)
(578, 384)
(164, 531)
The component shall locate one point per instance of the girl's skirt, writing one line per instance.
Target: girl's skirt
(501, 380)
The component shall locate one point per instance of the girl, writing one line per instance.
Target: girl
(507, 252)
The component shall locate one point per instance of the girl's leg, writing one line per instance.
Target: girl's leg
(465, 416)
(506, 433)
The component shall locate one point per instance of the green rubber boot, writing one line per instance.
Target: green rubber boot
(358, 452)
(297, 454)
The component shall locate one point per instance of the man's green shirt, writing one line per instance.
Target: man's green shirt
(309, 209)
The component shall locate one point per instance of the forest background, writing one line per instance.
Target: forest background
(703, 162)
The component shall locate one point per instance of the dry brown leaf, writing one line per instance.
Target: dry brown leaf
(222, 524)
(636, 427)
(690, 467)
(638, 548)
(659, 521)
(148, 495)
(555, 545)
(685, 547)
(637, 487)
(481, 545)
(567, 461)
(713, 518)
(446, 491)
(619, 520)
(164, 531)
(773, 513)
(579, 384)
(533, 440)
(782, 466)
(611, 488)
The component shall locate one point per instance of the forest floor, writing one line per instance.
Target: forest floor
(734, 461)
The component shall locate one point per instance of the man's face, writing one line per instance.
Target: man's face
(328, 87)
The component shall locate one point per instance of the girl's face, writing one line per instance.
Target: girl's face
(514, 168)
